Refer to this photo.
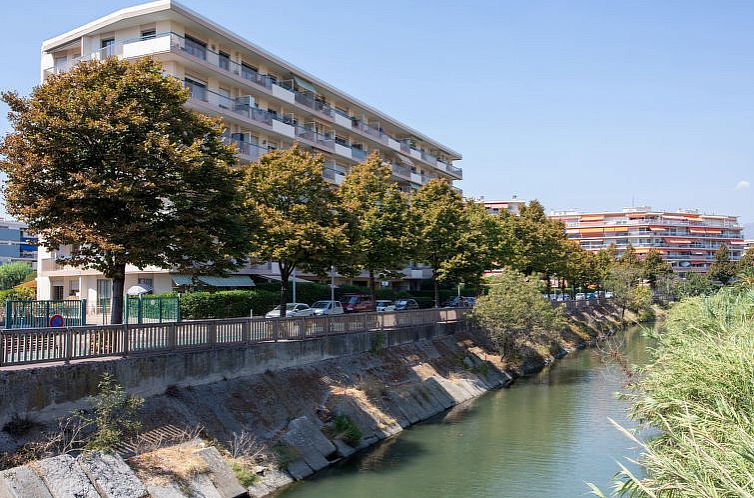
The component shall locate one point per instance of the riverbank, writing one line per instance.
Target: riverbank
(303, 419)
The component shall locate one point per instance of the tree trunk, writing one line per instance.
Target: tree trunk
(372, 286)
(285, 274)
(437, 291)
(116, 304)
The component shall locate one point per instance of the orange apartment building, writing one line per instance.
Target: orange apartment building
(686, 239)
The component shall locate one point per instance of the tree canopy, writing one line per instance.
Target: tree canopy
(380, 239)
(299, 225)
(722, 269)
(14, 273)
(106, 158)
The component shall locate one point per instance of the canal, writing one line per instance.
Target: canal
(545, 436)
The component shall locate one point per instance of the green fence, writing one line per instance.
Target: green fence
(36, 314)
(147, 309)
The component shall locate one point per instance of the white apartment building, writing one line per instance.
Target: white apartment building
(265, 103)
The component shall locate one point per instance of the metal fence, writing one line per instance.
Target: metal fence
(38, 345)
(34, 314)
(152, 309)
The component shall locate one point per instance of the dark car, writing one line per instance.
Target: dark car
(356, 303)
(406, 304)
(459, 302)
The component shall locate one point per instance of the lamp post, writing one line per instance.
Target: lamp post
(294, 284)
(332, 283)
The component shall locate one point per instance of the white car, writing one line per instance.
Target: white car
(327, 308)
(291, 309)
(580, 296)
(384, 305)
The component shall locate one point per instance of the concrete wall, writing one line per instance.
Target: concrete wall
(52, 391)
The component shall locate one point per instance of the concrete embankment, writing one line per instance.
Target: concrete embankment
(288, 396)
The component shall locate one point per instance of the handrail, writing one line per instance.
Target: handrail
(41, 345)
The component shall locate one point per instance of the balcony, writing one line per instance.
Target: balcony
(168, 41)
(247, 150)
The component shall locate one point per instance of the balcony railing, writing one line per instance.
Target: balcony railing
(224, 62)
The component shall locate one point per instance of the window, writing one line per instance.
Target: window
(225, 100)
(57, 292)
(60, 61)
(73, 288)
(147, 283)
(103, 295)
(197, 89)
(148, 34)
(108, 47)
(195, 47)
(248, 72)
(224, 61)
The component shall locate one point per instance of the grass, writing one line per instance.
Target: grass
(346, 429)
(699, 394)
(241, 469)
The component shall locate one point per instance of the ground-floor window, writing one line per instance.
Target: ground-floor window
(57, 292)
(104, 289)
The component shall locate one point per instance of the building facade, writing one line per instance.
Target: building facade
(686, 239)
(264, 102)
(16, 243)
(512, 206)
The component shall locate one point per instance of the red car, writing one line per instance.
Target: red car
(355, 303)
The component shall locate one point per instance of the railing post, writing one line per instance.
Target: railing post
(68, 345)
(2, 348)
(172, 338)
(8, 308)
(126, 341)
(82, 303)
(275, 329)
(365, 322)
(212, 333)
(246, 331)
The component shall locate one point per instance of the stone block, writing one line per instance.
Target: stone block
(299, 469)
(22, 482)
(111, 476)
(221, 474)
(313, 446)
(64, 478)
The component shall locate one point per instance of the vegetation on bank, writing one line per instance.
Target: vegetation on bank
(699, 394)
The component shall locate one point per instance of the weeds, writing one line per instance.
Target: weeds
(347, 430)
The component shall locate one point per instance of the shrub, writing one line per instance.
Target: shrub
(19, 426)
(226, 304)
(513, 310)
(347, 430)
(114, 415)
(699, 394)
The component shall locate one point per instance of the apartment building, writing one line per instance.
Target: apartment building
(16, 243)
(265, 103)
(686, 239)
(512, 206)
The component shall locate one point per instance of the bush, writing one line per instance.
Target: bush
(226, 304)
(347, 430)
(513, 311)
(114, 415)
(698, 394)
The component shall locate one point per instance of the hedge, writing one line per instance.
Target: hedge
(226, 304)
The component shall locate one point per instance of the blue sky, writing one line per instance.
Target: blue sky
(588, 105)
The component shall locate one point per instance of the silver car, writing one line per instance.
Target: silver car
(291, 309)
(327, 308)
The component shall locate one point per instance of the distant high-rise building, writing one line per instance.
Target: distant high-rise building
(512, 206)
(16, 243)
(686, 239)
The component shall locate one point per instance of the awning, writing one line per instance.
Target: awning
(591, 230)
(305, 85)
(697, 230)
(679, 241)
(181, 279)
(673, 217)
(229, 281)
(277, 278)
(592, 218)
(657, 229)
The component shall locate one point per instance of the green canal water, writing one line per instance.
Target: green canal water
(545, 436)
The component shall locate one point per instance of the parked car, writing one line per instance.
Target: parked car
(608, 295)
(406, 304)
(459, 302)
(591, 296)
(327, 308)
(356, 303)
(291, 309)
(580, 296)
(384, 305)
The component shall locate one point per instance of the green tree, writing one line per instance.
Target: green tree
(747, 260)
(630, 259)
(604, 261)
(654, 267)
(722, 269)
(299, 225)
(621, 281)
(14, 273)
(696, 285)
(106, 158)
(452, 236)
(380, 239)
(579, 269)
(531, 242)
(513, 311)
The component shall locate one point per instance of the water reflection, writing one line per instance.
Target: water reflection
(543, 437)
